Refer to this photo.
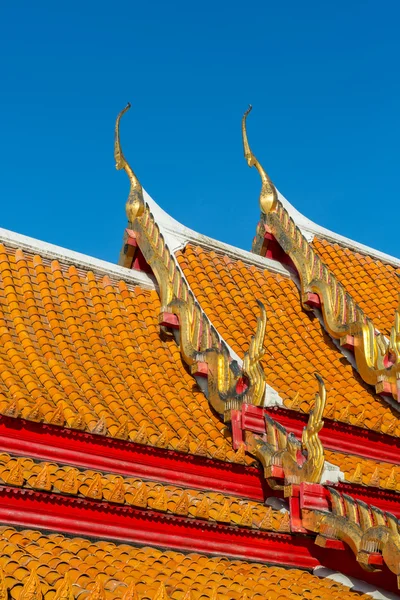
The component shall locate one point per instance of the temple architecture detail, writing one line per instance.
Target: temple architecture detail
(199, 421)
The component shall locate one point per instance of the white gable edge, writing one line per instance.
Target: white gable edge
(70, 257)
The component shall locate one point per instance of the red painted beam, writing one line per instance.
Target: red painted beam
(67, 446)
(54, 512)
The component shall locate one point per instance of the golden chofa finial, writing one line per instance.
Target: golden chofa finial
(135, 203)
(268, 195)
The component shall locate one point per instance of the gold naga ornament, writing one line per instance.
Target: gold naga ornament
(377, 357)
(199, 341)
(298, 461)
(367, 530)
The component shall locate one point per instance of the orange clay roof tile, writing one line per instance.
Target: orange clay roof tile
(372, 283)
(296, 344)
(86, 352)
(77, 566)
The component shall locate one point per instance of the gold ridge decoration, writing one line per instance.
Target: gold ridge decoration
(298, 461)
(268, 195)
(135, 204)
(366, 529)
(377, 358)
(252, 359)
(198, 339)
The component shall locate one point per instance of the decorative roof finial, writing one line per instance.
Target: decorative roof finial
(268, 195)
(135, 203)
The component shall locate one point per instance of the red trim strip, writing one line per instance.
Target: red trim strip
(67, 446)
(106, 521)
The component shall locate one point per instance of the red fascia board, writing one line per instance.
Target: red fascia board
(343, 438)
(83, 517)
(67, 446)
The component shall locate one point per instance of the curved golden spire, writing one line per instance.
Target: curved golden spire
(268, 195)
(135, 203)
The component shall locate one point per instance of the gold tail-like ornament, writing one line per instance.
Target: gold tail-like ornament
(135, 203)
(268, 195)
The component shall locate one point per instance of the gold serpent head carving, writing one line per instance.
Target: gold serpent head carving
(268, 195)
(251, 362)
(300, 460)
(135, 203)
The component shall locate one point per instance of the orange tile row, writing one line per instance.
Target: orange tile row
(372, 283)
(211, 506)
(295, 342)
(54, 566)
(363, 471)
(86, 353)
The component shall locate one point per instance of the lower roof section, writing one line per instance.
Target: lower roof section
(99, 570)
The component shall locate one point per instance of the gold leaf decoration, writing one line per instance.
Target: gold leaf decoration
(15, 475)
(203, 509)
(32, 589)
(247, 516)
(131, 593)
(266, 522)
(43, 481)
(375, 478)
(97, 592)
(118, 491)
(140, 497)
(100, 428)
(161, 593)
(70, 483)
(95, 490)
(35, 414)
(284, 525)
(240, 455)
(64, 589)
(163, 439)
(182, 506)
(183, 444)
(122, 432)
(357, 476)
(224, 515)
(220, 453)
(12, 410)
(160, 501)
(201, 448)
(58, 418)
(141, 436)
(391, 481)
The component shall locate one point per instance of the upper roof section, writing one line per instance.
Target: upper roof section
(81, 348)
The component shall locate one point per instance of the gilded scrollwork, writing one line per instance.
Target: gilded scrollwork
(377, 358)
(198, 339)
(228, 384)
(299, 460)
(365, 529)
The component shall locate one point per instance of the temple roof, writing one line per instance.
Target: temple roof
(105, 570)
(172, 401)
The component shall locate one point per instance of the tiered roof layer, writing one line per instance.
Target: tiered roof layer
(108, 571)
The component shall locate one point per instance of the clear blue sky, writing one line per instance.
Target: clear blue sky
(323, 78)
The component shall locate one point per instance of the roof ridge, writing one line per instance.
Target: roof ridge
(343, 319)
(310, 229)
